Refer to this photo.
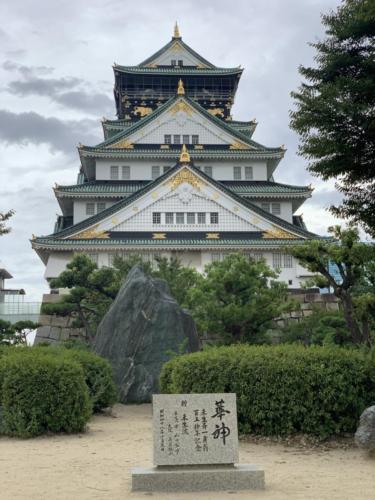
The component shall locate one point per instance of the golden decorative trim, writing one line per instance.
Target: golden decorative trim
(212, 236)
(184, 155)
(143, 110)
(201, 66)
(215, 196)
(255, 220)
(159, 236)
(115, 220)
(90, 234)
(154, 195)
(180, 88)
(33, 237)
(124, 144)
(176, 31)
(216, 112)
(164, 146)
(135, 209)
(176, 47)
(185, 175)
(239, 145)
(278, 234)
(181, 106)
(235, 209)
(198, 146)
(151, 65)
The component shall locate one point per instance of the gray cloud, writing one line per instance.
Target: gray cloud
(59, 135)
(26, 70)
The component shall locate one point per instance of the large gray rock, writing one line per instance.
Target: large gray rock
(135, 335)
(365, 435)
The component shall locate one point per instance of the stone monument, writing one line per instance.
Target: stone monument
(365, 434)
(196, 446)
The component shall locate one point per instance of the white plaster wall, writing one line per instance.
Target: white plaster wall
(221, 170)
(228, 221)
(285, 208)
(176, 52)
(56, 264)
(79, 208)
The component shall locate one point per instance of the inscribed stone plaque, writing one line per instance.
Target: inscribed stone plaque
(195, 429)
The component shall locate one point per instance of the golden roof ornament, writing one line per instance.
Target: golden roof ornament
(176, 33)
(180, 88)
(184, 156)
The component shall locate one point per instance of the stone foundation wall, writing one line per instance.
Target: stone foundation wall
(55, 329)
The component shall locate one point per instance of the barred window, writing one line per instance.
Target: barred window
(168, 139)
(276, 260)
(176, 139)
(185, 139)
(288, 261)
(201, 218)
(190, 218)
(214, 218)
(195, 139)
(215, 257)
(237, 173)
(100, 206)
(180, 218)
(248, 173)
(114, 173)
(90, 208)
(276, 208)
(180, 62)
(156, 217)
(155, 172)
(208, 171)
(125, 173)
(169, 218)
(265, 206)
(173, 62)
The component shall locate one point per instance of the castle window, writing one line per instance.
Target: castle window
(169, 218)
(180, 218)
(185, 139)
(125, 173)
(208, 171)
(201, 218)
(215, 257)
(176, 139)
(276, 260)
(168, 139)
(180, 62)
(195, 139)
(214, 218)
(155, 172)
(288, 261)
(265, 207)
(276, 208)
(113, 173)
(100, 207)
(237, 173)
(190, 218)
(156, 217)
(90, 208)
(173, 62)
(249, 173)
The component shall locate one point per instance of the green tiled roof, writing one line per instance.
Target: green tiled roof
(152, 185)
(128, 187)
(169, 45)
(178, 70)
(158, 111)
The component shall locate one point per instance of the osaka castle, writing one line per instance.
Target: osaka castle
(176, 175)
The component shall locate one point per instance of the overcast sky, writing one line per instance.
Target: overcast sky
(56, 83)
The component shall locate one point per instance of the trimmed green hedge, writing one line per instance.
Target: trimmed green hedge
(42, 393)
(281, 389)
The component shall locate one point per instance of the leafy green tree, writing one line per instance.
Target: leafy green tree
(4, 217)
(335, 112)
(15, 333)
(320, 328)
(237, 299)
(351, 258)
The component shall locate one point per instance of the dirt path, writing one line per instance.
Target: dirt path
(96, 466)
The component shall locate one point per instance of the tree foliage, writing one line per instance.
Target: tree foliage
(335, 111)
(237, 299)
(15, 333)
(4, 217)
(351, 286)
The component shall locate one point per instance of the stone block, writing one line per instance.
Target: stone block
(197, 478)
(61, 321)
(329, 297)
(305, 306)
(65, 334)
(308, 312)
(43, 331)
(51, 298)
(313, 297)
(44, 319)
(332, 306)
(55, 333)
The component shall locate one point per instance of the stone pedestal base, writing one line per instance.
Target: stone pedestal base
(198, 478)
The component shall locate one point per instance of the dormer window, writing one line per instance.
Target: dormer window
(168, 139)
(173, 62)
(180, 62)
(195, 139)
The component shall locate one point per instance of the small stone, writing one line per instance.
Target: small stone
(365, 435)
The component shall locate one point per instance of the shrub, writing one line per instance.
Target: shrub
(42, 393)
(281, 389)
